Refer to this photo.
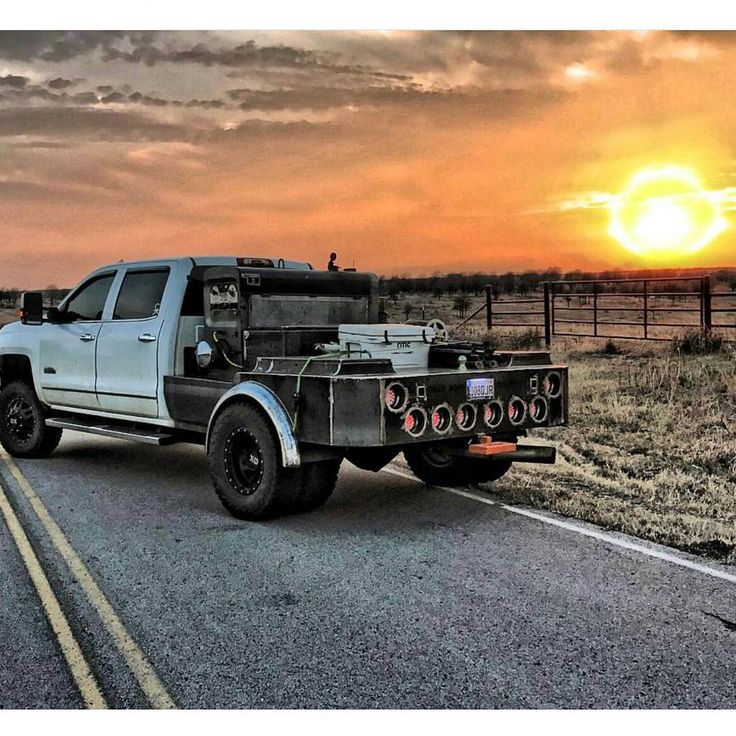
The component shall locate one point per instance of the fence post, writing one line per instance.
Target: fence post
(705, 299)
(646, 310)
(547, 316)
(489, 306)
(595, 309)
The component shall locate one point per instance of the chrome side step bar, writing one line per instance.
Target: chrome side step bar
(119, 432)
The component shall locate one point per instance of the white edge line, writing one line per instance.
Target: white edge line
(601, 536)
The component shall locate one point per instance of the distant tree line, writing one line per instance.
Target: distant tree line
(10, 297)
(463, 284)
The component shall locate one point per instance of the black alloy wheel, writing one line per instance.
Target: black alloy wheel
(23, 430)
(243, 461)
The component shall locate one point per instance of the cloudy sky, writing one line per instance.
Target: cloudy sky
(407, 152)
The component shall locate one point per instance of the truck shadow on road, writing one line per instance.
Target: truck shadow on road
(171, 480)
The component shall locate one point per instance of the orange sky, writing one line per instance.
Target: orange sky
(405, 152)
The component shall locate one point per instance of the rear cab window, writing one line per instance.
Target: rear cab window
(140, 294)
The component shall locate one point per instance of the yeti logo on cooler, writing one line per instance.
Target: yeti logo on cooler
(403, 344)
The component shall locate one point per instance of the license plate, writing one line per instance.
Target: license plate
(480, 388)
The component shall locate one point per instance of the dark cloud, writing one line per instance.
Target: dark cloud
(36, 92)
(105, 94)
(243, 55)
(82, 98)
(113, 97)
(30, 92)
(320, 98)
(13, 80)
(492, 103)
(246, 55)
(60, 83)
(142, 99)
(60, 45)
(74, 123)
(207, 104)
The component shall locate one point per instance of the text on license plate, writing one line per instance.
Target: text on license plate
(480, 388)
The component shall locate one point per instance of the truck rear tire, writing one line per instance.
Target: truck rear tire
(437, 466)
(318, 483)
(23, 431)
(246, 468)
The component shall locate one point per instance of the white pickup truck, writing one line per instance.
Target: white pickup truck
(279, 370)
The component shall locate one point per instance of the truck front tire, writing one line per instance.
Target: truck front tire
(246, 467)
(23, 430)
(436, 465)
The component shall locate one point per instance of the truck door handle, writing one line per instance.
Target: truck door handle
(146, 337)
(86, 337)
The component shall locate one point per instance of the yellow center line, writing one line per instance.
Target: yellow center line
(85, 680)
(134, 657)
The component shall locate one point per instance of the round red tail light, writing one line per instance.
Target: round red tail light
(538, 409)
(415, 421)
(396, 397)
(516, 410)
(441, 419)
(465, 417)
(493, 414)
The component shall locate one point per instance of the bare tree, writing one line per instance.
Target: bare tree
(460, 305)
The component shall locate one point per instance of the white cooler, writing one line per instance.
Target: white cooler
(406, 346)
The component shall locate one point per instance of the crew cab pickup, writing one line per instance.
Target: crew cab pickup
(280, 371)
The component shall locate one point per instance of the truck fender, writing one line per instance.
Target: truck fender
(274, 410)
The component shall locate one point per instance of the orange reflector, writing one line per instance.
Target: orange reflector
(486, 446)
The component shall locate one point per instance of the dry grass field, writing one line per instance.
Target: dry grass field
(7, 315)
(650, 449)
(651, 445)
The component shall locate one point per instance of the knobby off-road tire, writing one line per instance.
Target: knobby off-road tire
(23, 432)
(318, 483)
(246, 468)
(437, 466)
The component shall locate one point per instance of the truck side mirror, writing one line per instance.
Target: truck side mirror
(31, 308)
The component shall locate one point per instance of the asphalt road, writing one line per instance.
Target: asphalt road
(394, 595)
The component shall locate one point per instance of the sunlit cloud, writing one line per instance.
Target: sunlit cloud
(580, 72)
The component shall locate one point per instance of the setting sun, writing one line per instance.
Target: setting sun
(665, 212)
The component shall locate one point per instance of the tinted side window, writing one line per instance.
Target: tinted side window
(89, 301)
(140, 295)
